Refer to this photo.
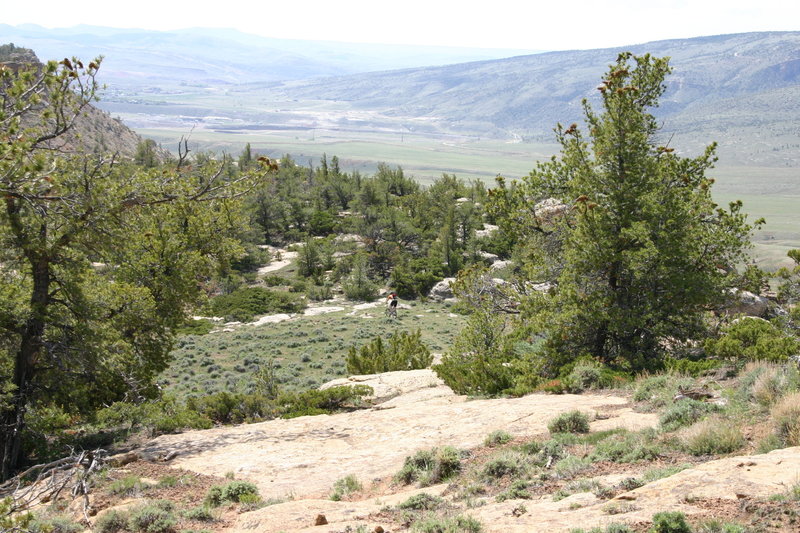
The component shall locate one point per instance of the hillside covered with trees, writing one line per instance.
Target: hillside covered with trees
(616, 261)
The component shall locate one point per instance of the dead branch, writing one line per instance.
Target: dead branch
(45, 482)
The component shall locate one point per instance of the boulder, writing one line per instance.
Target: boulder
(547, 210)
(745, 303)
(442, 291)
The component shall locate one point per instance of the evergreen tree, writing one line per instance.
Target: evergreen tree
(99, 261)
(626, 229)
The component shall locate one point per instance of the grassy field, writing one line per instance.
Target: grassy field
(306, 351)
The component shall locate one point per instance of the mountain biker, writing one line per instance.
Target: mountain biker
(391, 304)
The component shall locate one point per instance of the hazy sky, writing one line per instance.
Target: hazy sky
(524, 24)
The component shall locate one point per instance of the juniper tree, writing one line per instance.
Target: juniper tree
(99, 259)
(625, 229)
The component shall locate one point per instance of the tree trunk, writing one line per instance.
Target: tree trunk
(12, 416)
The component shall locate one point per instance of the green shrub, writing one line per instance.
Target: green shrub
(422, 502)
(670, 522)
(751, 339)
(231, 492)
(344, 487)
(588, 374)
(403, 351)
(417, 278)
(357, 285)
(450, 524)
(497, 437)
(658, 391)
(55, 524)
(767, 383)
(625, 448)
(570, 422)
(316, 402)
(688, 367)
(250, 502)
(429, 467)
(570, 466)
(112, 522)
(483, 360)
(202, 513)
(684, 413)
(127, 486)
(196, 327)
(319, 293)
(505, 463)
(712, 436)
(233, 408)
(164, 415)
(518, 490)
(245, 303)
(156, 517)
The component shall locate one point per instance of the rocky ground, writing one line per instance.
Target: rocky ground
(296, 463)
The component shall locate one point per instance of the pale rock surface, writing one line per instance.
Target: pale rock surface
(731, 478)
(487, 230)
(313, 311)
(304, 456)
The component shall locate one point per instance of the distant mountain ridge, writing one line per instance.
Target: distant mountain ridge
(732, 88)
(219, 56)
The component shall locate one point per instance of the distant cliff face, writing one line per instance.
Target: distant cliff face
(94, 131)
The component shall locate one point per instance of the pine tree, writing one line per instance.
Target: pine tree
(625, 228)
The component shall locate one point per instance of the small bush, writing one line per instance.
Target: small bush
(506, 463)
(344, 487)
(56, 524)
(670, 522)
(316, 402)
(403, 351)
(450, 524)
(713, 525)
(571, 422)
(231, 492)
(625, 448)
(713, 436)
(570, 466)
(112, 522)
(127, 486)
(786, 417)
(319, 293)
(429, 467)
(422, 502)
(658, 391)
(497, 438)
(685, 413)
(769, 387)
(156, 517)
(202, 513)
(753, 340)
(517, 491)
(688, 367)
(245, 303)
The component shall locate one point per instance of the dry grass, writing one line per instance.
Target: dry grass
(713, 436)
(769, 386)
(786, 417)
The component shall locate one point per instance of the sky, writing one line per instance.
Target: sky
(519, 24)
